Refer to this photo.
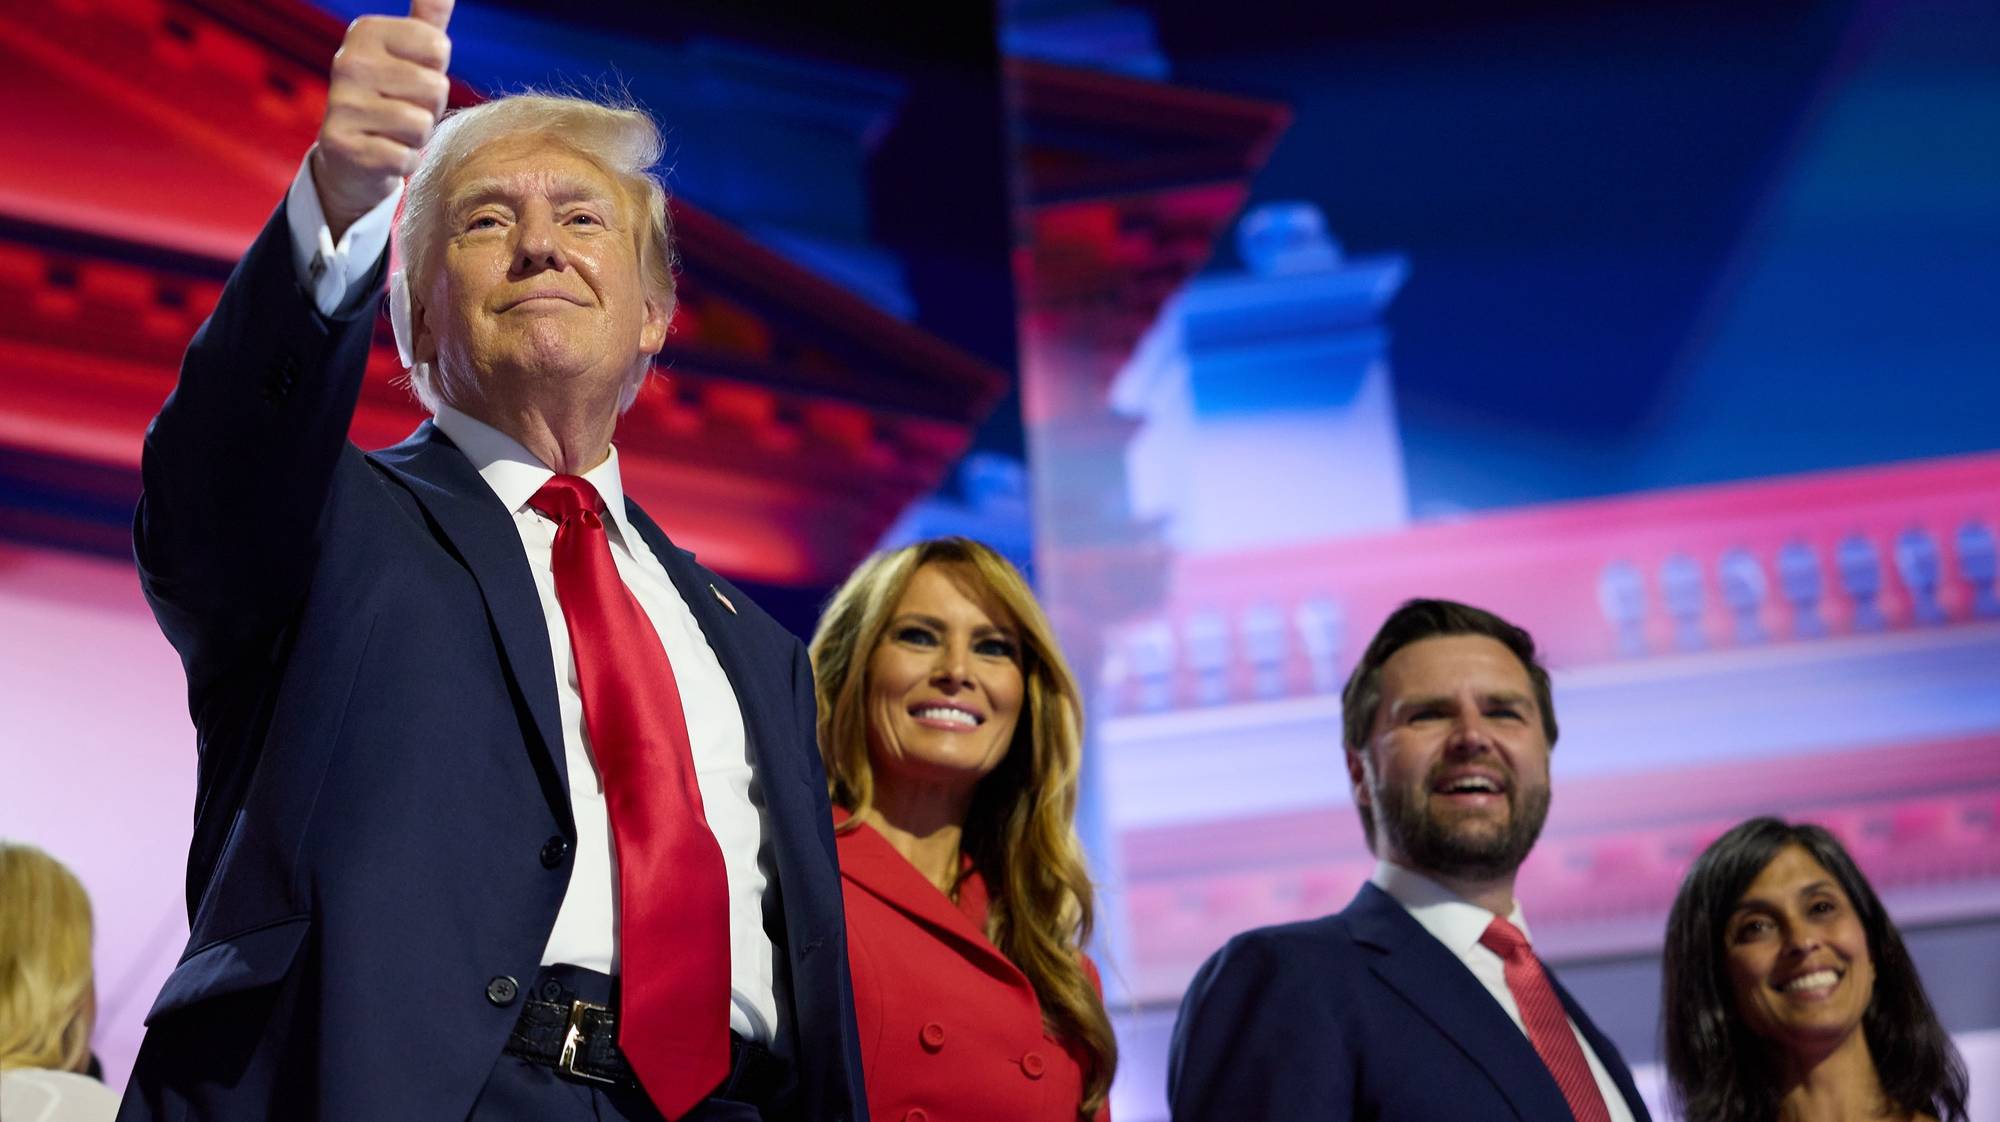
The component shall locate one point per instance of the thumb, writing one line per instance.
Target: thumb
(437, 13)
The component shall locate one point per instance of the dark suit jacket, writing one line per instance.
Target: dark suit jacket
(382, 823)
(1359, 1015)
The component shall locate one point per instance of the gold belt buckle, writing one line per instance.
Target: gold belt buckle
(573, 1035)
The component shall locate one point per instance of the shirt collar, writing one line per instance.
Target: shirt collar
(515, 473)
(1450, 918)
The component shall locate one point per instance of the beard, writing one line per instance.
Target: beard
(1461, 846)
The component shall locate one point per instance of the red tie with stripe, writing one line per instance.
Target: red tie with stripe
(673, 892)
(1547, 1023)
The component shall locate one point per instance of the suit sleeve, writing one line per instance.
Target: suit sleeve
(237, 467)
(851, 1081)
(1257, 1041)
(806, 705)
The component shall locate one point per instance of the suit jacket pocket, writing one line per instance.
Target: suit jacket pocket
(245, 961)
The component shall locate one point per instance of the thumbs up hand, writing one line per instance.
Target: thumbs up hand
(386, 93)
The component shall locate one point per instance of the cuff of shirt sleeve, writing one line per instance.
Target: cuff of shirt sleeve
(336, 273)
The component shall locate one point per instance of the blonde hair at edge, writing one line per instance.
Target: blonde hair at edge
(47, 999)
(619, 138)
(1021, 831)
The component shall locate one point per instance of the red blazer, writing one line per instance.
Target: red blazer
(950, 1029)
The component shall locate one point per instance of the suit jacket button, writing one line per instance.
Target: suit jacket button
(916, 1114)
(1032, 1065)
(501, 990)
(554, 850)
(932, 1037)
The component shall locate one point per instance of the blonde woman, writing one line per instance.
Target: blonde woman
(951, 730)
(48, 1001)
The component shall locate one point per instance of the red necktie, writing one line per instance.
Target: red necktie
(1547, 1023)
(673, 894)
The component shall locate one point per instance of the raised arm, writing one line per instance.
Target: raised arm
(237, 467)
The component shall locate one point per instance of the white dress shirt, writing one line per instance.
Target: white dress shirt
(334, 271)
(585, 931)
(1458, 924)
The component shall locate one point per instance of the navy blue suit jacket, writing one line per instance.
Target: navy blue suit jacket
(1361, 1015)
(382, 823)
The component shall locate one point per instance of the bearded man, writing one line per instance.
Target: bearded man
(1422, 1000)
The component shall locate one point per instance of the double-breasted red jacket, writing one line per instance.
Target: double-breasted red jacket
(950, 1029)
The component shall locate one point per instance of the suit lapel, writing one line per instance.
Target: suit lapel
(481, 531)
(868, 860)
(1431, 978)
(1607, 1052)
(802, 912)
(749, 676)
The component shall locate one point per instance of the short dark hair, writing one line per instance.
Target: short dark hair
(1717, 1069)
(1413, 622)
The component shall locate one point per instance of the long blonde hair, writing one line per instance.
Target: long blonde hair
(48, 1001)
(1021, 829)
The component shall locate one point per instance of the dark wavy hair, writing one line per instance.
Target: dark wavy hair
(1717, 1069)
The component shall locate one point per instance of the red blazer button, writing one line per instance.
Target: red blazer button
(1032, 1065)
(916, 1114)
(933, 1039)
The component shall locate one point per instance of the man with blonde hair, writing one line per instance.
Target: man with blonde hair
(506, 807)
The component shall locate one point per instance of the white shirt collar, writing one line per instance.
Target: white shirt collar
(1450, 918)
(515, 473)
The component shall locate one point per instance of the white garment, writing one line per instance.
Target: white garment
(585, 927)
(29, 1094)
(334, 271)
(585, 932)
(1458, 924)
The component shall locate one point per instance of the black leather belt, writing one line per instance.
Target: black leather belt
(580, 1039)
(577, 1038)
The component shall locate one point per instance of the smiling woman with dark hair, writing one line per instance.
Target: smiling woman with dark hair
(1789, 994)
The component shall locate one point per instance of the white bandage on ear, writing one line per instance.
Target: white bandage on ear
(399, 318)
